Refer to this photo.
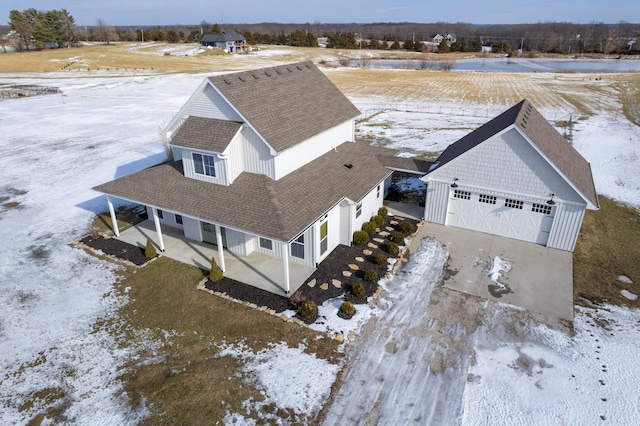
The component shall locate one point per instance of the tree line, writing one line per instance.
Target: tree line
(39, 29)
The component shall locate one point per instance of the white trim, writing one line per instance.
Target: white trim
(112, 213)
(220, 248)
(285, 261)
(156, 221)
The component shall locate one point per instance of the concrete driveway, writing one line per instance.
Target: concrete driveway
(540, 279)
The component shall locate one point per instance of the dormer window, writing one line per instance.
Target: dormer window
(204, 164)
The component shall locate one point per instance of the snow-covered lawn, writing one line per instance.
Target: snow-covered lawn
(417, 363)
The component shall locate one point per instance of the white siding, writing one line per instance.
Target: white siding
(346, 213)
(192, 229)
(168, 218)
(291, 159)
(210, 104)
(234, 158)
(566, 226)
(256, 154)
(236, 242)
(370, 205)
(220, 167)
(509, 163)
(435, 209)
(333, 218)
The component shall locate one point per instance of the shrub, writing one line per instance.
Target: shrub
(216, 273)
(371, 275)
(381, 259)
(360, 237)
(357, 290)
(369, 228)
(377, 220)
(150, 250)
(406, 228)
(308, 309)
(347, 308)
(383, 211)
(393, 249)
(397, 237)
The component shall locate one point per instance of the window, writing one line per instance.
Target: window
(358, 209)
(179, 219)
(160, 214)
(489, 199)
(324, 237)
(464, 195)
(297, 247)
(204, 164)
(378, 193)
(514, 204)
(541, 208)
(266, 244)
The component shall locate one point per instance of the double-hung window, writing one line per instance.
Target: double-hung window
(204, 164)
(297, 247)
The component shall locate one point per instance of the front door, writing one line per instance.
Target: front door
(209, 234)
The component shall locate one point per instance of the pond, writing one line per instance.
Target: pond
(517, 65)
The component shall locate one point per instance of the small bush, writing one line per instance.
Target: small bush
(308, 309)
(347, 308)
(360, 237)
(381, 259)
(369, 228)
(383, 211)
(377, 220)
(371, 275)
(406, 228)
(393, 249)
(216, 273)
(150, 250)
(357, 290)
(397, 237)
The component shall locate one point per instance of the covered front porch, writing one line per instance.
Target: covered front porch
(257, 269)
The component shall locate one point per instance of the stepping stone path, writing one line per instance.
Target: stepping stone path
(371, 245)
(336, 283)
(388, 228)
(346, 273)
(367, 252)
(384, 233)
(354, 267)
(359, 259)
(378, 240)
(324, 286)
(312, 283)
(393, 222)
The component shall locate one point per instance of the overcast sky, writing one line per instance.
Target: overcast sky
(169, 12)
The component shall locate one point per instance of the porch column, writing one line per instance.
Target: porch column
(220, 248)
(285, 257)
(156, 221)
(112, 212)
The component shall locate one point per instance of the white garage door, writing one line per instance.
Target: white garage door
(506, 217)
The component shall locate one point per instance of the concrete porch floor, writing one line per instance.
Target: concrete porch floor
(405, 210)
(257, 269)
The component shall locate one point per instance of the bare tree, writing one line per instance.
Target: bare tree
(105, 32)
(446, 65)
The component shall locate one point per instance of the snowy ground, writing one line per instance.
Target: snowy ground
(482, 363)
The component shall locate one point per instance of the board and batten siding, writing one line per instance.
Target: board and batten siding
(437, 201)
(210, 104)
(234, 158)
(566, 226)
(346, 213)
(236, 242)
(509, 163)
(334, 225)
(256, 155)
(192, 228)
(220, 165)
(277, 248)
(297, 156)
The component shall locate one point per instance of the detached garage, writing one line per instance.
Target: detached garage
(516, 177)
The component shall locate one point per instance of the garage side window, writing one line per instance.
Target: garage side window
(541, 208)
(489, 199)
(514, 204)
(464, 195)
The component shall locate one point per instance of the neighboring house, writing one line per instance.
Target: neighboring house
(515, 176)
(487, 47)
(437, 38)
(266, 161)
(230, 42)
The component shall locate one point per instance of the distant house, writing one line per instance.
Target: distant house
(487, 47)
(516, 177)
(437, 38)
(230, 42)
(264, 161)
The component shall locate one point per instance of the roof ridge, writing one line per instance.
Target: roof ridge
(276, 204)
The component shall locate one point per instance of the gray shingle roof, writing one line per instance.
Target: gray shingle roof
(222, 37)
(207, 134)
(405, 164)
(286, 104)
(255, 203)
(544, 135)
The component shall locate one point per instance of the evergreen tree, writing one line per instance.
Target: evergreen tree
(216, 273)
(443, 47)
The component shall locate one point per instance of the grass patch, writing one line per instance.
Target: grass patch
(190, 385)
(608, 246)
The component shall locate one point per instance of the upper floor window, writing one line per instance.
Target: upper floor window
(358, 209)
(204, 164)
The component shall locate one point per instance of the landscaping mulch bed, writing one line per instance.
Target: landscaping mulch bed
(117, 248)
(250, 294)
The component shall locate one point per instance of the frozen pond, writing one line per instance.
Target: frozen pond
(518, 65)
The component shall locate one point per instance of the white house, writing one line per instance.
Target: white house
(230, 42)
(515, 176)
(264, 160)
